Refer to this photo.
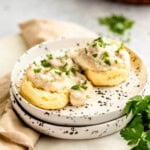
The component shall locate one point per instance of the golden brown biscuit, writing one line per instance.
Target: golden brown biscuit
(43, 99)
(105, 62)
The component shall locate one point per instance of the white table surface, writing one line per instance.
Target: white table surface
(84, 12)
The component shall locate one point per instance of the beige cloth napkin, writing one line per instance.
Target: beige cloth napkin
(14, 134)
(36, 31)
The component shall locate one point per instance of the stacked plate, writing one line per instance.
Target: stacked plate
(103, 112)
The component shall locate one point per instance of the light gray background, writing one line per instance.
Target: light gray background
(84, 12)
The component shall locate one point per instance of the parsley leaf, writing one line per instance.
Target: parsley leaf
(117, 23)
(105, 58)
(58, 72)
(133, 131)
(45, 63)
(76, 87)
(99, 42)
(83, 85)
(137, 131)
(107, 61)
(144, 143)
(136, 104)
(95, 55)
(37, 70)
(120, 48)
(130, 106)
(67, 72)
(75, 68)
(49, 56)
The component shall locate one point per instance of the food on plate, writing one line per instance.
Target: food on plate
(54, 82)
(105, 62)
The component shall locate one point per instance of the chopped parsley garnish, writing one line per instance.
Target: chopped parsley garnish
(107, 61)
(49, 56)
(76, 87)
(63, 57)
(100, 63)
(85, 51)
(120, 48)
(116, 61)
(105, 54)
(105, 58)
(84, 85)
(67, 72)
(74, 68)
(37, 70)
(58, 72)
(45, 63)
(34, 63)
(95, 55)
(99, 42)
(137, 131)
(117, 23)
(65, 65)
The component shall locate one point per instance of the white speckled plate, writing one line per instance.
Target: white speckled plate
(70, 132)
(105, 104)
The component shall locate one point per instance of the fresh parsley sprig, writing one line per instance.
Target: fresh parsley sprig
(137, 131)
(117, 23)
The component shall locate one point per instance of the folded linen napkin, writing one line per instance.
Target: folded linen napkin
(36, 31)
(14, 134)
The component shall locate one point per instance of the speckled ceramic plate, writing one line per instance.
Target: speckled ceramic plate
(70, 132)
(105, 104)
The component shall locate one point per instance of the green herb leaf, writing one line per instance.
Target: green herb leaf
(75, 68)
(137, 131)
(105, 58)
(105, 54)
(133, 131)
(117, 23)
(144, 143)
(116, 62)
(85, 51)
(99, 42)
(120, 48)
(34, 63)
(58, 72)
(133, 103)
(107, 61)
(84, 85)
(49, 56)
(45, 63)
(63, 57)
(95, 55)
(75, 87)
(65, 65)
(67, 72)
(37, 70)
